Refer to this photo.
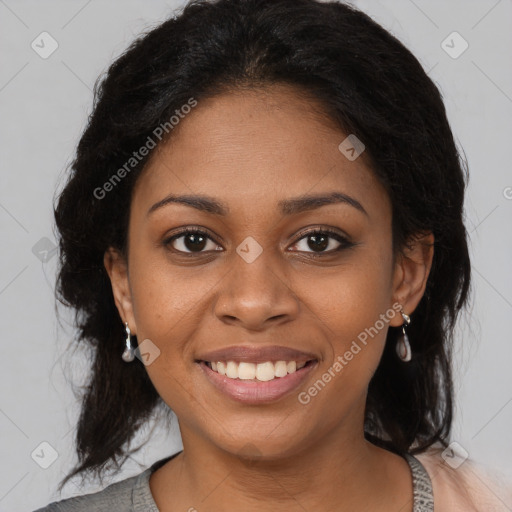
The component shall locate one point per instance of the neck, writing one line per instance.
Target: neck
(342, 472)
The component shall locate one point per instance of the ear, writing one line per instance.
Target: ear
(411, 272)
(117, 270)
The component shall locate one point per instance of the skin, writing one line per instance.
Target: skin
(250, 150)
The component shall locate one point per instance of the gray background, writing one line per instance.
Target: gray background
(44, 106)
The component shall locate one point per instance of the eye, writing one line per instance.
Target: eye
(191, 241)
(321, 241)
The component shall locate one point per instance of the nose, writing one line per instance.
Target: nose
(255, 295)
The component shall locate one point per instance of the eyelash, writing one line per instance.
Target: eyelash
(344, 242)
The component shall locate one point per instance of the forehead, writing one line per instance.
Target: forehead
(253, 148)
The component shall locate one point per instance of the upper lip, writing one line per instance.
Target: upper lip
(256, 354)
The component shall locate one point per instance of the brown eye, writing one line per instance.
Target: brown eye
(321, 241)
(191, 241)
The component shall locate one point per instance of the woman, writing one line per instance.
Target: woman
(267, 202)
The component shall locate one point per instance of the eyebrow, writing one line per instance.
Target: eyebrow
(287, 206)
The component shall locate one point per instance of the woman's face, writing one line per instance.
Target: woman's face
(257, 280)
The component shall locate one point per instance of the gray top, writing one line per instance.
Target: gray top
(134, 494)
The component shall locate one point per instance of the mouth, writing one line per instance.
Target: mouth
(255, 383)
(256, 372)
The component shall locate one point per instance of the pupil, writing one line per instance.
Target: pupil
(319, 242)
(195, 241)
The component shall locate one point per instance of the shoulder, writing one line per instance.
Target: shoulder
(116, 497)
(468, 487)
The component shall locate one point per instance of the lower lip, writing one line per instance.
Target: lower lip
(257, 392)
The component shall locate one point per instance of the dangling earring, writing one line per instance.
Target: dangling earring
(129, 351)
(403, 347)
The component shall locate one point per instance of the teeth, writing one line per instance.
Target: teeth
(221, 368)
(232, 370)
(291, 366)
(281, 368)
(260, 371)
(246, 371)
(265, 371)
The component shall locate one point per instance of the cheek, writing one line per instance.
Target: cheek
(354, 316)
(349, 298)
(166, 309)
(352, 309)
(165, 296)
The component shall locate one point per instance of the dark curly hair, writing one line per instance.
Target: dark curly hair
(369, 84)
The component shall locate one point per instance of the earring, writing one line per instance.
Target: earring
(403, 347)
(129, 351)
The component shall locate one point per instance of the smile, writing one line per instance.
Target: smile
(255, 371)
(260, 383)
